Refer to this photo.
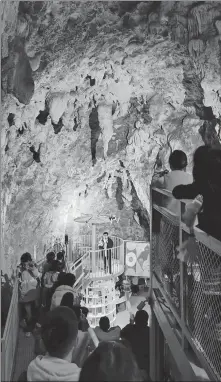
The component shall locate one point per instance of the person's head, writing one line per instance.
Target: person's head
(61, 278)
(25, 258)
(178, 160)
(105, 235)
(50, 257)
(67, 300)
(110, 361)
(69, 279)
(60, 256)
(59, 332)
(141, 318)
(104, 323)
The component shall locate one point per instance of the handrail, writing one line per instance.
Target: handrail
(189, 303)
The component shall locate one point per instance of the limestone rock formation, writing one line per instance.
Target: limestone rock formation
(99, 91)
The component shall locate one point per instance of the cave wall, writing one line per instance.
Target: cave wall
(92, 95)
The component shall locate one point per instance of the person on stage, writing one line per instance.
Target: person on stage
(106, 245)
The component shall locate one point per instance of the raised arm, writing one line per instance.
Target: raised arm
(189, 191)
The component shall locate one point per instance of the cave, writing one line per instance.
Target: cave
(125, 82)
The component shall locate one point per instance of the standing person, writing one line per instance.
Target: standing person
(106, 244)
(29, 287)
(137, 335)
(68, 281)
(61, 260)
(50, 277)
(59, 334)
(46, 266)
(134, 286)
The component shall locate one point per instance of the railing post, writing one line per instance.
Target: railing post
(182, 283)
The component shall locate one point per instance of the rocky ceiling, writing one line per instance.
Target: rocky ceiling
(94, 95)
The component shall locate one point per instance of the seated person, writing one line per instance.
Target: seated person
(178, 163)
(134, 286)
(137, 335)
(110, 361)
(68, 281)
(59, 334)
(104, 332)
(207, 182)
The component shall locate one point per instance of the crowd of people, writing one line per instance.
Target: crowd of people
(205, 180)
(66, 347)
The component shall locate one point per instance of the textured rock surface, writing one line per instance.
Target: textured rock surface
(100, 90)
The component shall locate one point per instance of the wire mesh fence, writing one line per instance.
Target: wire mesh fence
(166, 266)
(203, 302)
(200, 283)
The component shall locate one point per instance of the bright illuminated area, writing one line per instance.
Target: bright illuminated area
(111, 191)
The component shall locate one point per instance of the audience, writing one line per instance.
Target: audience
(110, 361)
(207, 182)
(104, 332)
(68, 281)
(137, 335)
(59, 334)
(29, 286)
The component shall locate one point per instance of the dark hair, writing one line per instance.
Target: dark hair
(26, 257)
(50, 256)
(178, 160)
(67, 300)
(69, 279)
(60, 255)
(207, 166)
(105, 233)
(54, 266)
(59, 331)
(141, 318)
(110, 361)
(104, 323)
(60, 281)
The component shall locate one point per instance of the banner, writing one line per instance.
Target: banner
(137, 261)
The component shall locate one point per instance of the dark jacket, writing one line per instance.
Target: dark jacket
(138, 337)
(210, 216)
(110, 244)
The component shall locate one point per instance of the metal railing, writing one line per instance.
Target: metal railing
(192, 289)
(98, 263)
(10, 335)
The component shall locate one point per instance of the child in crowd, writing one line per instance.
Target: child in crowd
(50, 277)
(29, 287)
(110, 361)
(59, 334)
(104, 332)
(68, 281)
